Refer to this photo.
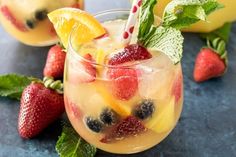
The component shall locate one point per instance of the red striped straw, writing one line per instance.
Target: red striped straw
(133, 16)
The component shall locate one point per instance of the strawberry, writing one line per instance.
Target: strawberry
(124, 82)
(177, 87)
(83, 71)
(55, 62)
(76, 5)
(208, 64)
(130, 126)
(130, 53)
(72, 107)
(10, 17)
(39, 107)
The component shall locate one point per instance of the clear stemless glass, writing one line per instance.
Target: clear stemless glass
(27, 20)
(125, 108)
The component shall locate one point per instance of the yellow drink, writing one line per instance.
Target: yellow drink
(27, 20)
(146, 93)
(214, 21)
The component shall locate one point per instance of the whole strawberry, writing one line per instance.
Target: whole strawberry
(212, 61)
(208, 65)
(39, 107)
(55, 62)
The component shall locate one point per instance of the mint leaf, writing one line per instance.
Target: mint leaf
(182, 13)
(12, 85)
(146, 18)
(70, 144)
(167, 40)
(164, 39)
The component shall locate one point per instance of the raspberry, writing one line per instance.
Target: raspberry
(131, 53)
(124, 82)
(130, 126)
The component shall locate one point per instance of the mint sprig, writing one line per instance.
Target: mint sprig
(70, 144)
(178, 14)
(12, 85)
(165, 39)
(146, 19)
(158, 38)
(182, 13)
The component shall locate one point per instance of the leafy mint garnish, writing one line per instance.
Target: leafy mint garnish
(146, 19)
(12, 85)
(177, 15)
(70, 144)
(182, 13)
(165, 39)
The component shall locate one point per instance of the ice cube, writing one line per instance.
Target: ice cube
(156, 77)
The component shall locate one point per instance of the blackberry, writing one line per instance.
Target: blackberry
(108, 116)
(41, 14)
(144, 110)
(93, 124)
(30, 23)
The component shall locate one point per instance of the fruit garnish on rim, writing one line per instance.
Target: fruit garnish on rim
(65, 19)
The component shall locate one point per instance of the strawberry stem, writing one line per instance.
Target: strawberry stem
(219, 46)
(35, 80)
(217, 40)
(50, 83)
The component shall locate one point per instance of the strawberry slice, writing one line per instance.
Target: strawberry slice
(76, 112)
(130, 53)
(10, 17)
(83, 71)
(130, 126)
(177, 87)
(124, 82)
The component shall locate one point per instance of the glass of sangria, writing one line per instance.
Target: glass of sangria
(120, 98)
(27, 20)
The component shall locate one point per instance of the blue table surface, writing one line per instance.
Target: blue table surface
(207, 127)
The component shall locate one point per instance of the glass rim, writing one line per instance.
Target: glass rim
(77, 56)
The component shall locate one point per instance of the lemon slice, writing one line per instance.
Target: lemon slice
(164, 119)
(85, 26)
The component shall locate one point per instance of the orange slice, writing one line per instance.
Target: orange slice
(84, 26)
